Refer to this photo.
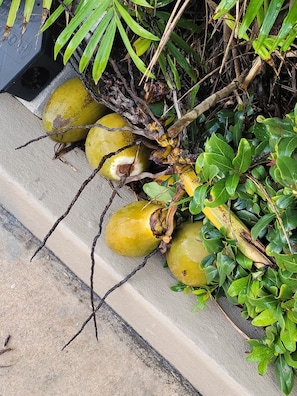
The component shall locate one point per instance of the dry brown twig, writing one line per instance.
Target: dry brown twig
(109, 291)
(202, 107)
(77, 195)
(172, 21)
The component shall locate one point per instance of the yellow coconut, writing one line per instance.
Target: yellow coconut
(128, 232)
(185, 254)
(102, 141)
(70, 105)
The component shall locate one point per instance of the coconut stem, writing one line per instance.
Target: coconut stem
(222, 216)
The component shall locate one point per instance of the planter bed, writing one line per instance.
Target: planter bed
(204, 346)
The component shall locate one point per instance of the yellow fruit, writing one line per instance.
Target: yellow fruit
(185, 254)
(100, 142)
(128, 231)
(68, 106)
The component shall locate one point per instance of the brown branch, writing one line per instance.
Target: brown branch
(171, 23)
(112, 289)
(79, 192)
(94, 243)
(192, 115)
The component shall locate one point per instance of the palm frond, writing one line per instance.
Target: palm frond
(276, 24)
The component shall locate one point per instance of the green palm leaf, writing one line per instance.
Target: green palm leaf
(28, 8)
(181, 60)
(80, 17)
(94, 40)
(14, 7)
(270, 17)
(223, 7)
(249, 16)
(142, 3)
(85, 29)
(288, 31)
(104, 51)
(137, 61)
(133, 25)
(55, 15)
(264, 44)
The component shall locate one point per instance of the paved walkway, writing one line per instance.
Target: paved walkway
(42, 306)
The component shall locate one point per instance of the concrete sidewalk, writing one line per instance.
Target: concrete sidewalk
(42, 306)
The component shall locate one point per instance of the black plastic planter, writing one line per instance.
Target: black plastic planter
(26, 60)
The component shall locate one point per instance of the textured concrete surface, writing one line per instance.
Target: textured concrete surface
(42, 306)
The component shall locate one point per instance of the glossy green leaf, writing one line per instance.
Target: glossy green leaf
(285, 291)
(259, 172)
(262, 355)
(244, 261)
(103, 52)
(287, 146)
(264, 221)
(232, 183)
(225, 266)
(238, 127)
(277, 127)
(289, 218)
(243, 159)
(211, 273)
(288, 335)
(158, 192)
(284, 374)
(212, 242)
(262, 303)
(238, 285)
(222, 162)
(217, 144)
(204, 170)
(288, 169)
(133, 25)
(287, 261)
(248, 217)
(197, 202)
(218, 195)
(265, 318)
(290, 359)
